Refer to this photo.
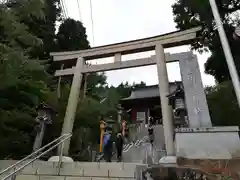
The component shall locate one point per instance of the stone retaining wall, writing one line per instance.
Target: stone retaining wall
(228, 167)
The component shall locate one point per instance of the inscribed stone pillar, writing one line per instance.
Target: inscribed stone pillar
(198, 113)
(164, 91)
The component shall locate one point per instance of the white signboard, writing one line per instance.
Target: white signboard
(141, 116)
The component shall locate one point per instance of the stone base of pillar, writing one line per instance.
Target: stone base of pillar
(208, 142)
(56, 159)
(168, 160)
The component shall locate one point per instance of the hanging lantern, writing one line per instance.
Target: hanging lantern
(179, 100)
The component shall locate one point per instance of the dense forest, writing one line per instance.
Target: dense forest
(28, 34)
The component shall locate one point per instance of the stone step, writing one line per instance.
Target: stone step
(33, 177)
(75, 170)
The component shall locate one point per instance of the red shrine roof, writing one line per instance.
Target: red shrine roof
(149, 91)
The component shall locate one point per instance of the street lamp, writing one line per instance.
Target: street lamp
(44, 116)
(177, 101)
(227, 51)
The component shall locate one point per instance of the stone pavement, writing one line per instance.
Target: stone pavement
(141, 150)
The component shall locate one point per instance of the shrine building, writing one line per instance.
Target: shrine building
(144, 102)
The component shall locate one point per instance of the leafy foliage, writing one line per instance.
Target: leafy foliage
(223, 95)
(22, 78)
(76, 39)
(189, 13)
(96, 85)
(45, 28)
(72, 36)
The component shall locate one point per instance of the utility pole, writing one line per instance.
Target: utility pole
(227, 51)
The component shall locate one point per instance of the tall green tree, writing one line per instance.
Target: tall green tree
(96, 83)
(219, 95)
(72, 36)
(22, 78)
(188, 13)
(45, 29)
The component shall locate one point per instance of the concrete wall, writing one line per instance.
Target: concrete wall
(42, 170)
(208, 143)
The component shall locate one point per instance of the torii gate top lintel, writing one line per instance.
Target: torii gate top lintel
(168, 40)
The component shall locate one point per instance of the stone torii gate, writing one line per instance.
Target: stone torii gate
(195, 98)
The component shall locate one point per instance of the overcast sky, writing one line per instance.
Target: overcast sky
(124, 20)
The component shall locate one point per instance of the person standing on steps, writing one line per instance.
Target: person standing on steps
(151, 121)
(127, 135)
(119, 146)
(125, 131)
(108, 143)
(151, 130)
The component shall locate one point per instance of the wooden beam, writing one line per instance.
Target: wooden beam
(123, 64)
(167, 40)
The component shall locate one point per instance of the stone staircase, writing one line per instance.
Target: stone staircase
(42, 170)
(143, 152)
(134, 158)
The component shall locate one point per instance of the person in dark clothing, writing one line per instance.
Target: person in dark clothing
(119, 146)
(151, 134)
(108, 143)
(127, 134)
(152, 121)
(151, 130)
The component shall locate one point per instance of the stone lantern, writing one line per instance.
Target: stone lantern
(109, 125)
(120, 113)
(44, 117)
(177, 101)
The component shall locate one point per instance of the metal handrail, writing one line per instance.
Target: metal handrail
(63, 137)
(27, 157)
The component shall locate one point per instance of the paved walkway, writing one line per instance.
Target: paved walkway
(141, 150)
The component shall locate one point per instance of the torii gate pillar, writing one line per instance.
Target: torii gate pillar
(72, 104)
(163, 85)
